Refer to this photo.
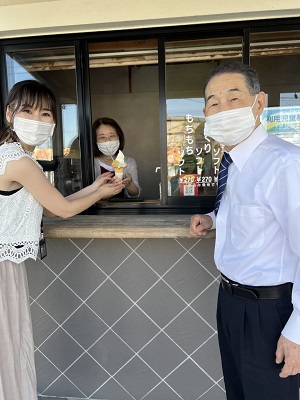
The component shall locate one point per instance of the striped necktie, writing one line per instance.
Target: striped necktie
(222, 179)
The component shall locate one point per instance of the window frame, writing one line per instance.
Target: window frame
(80, 42)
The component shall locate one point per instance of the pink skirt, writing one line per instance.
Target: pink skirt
(17, 369)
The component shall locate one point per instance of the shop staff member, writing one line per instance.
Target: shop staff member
(257, 241)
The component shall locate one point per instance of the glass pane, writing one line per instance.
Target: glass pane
(276, 57)
(124, 87)
(192, 158)
(56, 68)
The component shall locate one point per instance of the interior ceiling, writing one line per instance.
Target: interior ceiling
(144, 52)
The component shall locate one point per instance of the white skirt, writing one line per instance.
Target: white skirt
(17, 368)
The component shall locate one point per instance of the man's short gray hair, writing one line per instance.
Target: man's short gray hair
(236, 67)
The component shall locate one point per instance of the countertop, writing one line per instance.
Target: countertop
(120, 226)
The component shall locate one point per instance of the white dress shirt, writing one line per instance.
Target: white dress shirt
(258, 222)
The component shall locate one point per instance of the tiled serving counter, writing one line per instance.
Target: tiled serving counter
(123, 308)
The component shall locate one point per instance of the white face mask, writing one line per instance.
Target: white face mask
(32, 132)
(109, 148)
(230, 127)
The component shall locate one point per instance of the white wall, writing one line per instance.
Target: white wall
(42, 17)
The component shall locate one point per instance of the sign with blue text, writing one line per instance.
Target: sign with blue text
(283, 122)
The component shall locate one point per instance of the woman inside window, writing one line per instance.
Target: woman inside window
(108, 143)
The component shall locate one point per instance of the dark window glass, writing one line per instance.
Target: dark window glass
(59, 156)
(192, 158)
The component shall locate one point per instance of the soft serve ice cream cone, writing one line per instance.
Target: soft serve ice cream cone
(119, 165)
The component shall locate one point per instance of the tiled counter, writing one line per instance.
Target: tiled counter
(123, 308)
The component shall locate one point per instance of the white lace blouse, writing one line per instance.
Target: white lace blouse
(20, 214)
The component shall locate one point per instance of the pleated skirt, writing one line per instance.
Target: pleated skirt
(17, 368)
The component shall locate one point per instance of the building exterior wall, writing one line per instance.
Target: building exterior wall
(41, 17)
(126, 319)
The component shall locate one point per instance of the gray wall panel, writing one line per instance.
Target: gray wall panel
(128, 319)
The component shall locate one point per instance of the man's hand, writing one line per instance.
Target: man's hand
(289, 352)
(200, 224)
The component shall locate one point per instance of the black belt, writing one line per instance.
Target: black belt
(256, 292)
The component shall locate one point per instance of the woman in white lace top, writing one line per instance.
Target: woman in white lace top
(25, 193)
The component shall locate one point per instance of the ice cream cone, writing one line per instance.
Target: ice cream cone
(119, 165)
(119, 172)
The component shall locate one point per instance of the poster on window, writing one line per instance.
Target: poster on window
(193, 159)
(283, 122)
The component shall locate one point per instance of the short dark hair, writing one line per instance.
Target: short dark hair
(236, 67)
(31, 93)
(106, 121)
